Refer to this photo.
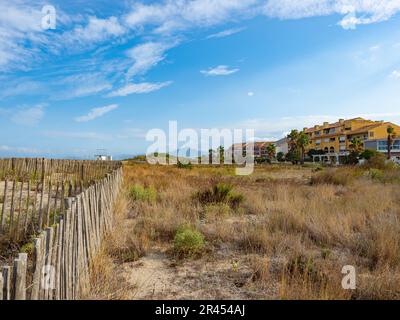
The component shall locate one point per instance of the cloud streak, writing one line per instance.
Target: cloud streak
(221, 70)
(354, 12)
(137, 88)
(146, 56)
(225, 33)
(96, 113)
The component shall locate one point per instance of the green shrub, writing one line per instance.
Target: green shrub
(378, 161)
(140, 193)
(368, 154)
(235, 199)
(181, 165)
(375, 174)
(220, 193)
(188, 242)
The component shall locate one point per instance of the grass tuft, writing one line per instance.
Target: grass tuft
(140, 193)
(220, 193)
(188, 242)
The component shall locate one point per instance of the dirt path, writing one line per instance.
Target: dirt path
(156, 276)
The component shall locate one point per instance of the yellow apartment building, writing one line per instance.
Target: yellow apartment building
(335, 138)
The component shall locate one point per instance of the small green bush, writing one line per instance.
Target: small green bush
(379, 161)
(375, 174)
(140, 193)
(181, 165)
(188, 242)
(220, 193)
(368, 154)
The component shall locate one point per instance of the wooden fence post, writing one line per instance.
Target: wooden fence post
(19, 277)
(1, 286)
(3, 209)
(6, 283)
(37, 257)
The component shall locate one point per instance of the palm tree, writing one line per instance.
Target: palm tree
(298, 141)
(292, 139)
(221, 151)
(303, 140)
(271, 151)
(210, 156)
(357, 145)
(293, 154)
(390, 141)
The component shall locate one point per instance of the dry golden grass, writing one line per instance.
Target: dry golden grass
(118, 246)
(296, 228)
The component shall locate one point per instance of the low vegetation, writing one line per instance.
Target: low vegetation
(220, 193)
(188, 242)
(140, 193)
(284, 232)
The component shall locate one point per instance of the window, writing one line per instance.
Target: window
(317, 133)
(331, 149)
(333, 139)
(326, 140)
(347, 129)
(332, 130)
(342, 148)
(317, 142)
(382, 145)
(342, 139)
(371, 134)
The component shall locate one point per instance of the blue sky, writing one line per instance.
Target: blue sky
(110, 72)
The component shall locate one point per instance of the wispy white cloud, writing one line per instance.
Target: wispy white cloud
(395, 74)
(20, 87)
(354, 12)
(171, 16)
(28, 116)
(80, 85)
(221, 70)
(96, 113)
(144, 87)
(96, 30)
(18, 24)
(146, 56)
(225, 33)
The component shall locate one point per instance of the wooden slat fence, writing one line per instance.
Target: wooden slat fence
(32, 191)
(57, 267)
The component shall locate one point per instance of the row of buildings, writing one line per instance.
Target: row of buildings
(333, 140)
